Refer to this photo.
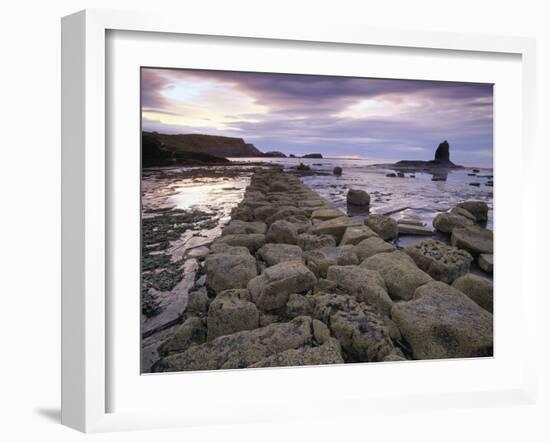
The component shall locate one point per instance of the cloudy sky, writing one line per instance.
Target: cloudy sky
(336, 116)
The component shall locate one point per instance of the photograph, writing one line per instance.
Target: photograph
(303, 219)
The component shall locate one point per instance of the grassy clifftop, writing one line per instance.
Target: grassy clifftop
(206, 144)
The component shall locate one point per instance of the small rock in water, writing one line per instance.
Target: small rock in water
(357, 197)
(337, 171)
(475, 184)
(391, 175)
(475, 170)
(400, 174)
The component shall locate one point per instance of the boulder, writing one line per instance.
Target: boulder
(301, 222)
(279, 186)
(485, 262)
(410, 229)
(337, 171)
(400, 273)
(263, 212)
(463, 212)
(477, 288)
(365, 285)
(319, 260)
(361, 330)
(442, 153)
(251, 241)
(354, 235)
(299, 305)
(356, 197)
(478, 209)
(241, 349)
(284, 212)
(229, 270)
(324, 214)
(191, 332)
(384, 226)
(442, 322)
(309, 242)
(372, 246)
(240, 227)
(335, 227)
(440, 261)
(328, 353)
(282, 232)
(474, 239)
(273, 254)
(197, 303)
(447, 222)
(272, 288)
(232, 312)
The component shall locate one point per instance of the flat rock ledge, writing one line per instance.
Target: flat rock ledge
(294, 281)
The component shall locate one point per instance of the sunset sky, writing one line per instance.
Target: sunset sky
(336, 116)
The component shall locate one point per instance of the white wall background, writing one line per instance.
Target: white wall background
(30, 220)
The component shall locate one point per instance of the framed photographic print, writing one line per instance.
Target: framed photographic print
(253, 208)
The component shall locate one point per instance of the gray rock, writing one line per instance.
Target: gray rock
(243, 227)
(354, 235)
(328, 353)
(324, 214)
(400, 273)
(299, 305)
(439, 260)
(197, 303)
(485, 262)
(319, 260)
(274, 254)
(337, 171)
(284, 212)
(447, 222)
(264, 212)
(384, 226)
(242, 349)
(229, 271)
(301, 222)
(372, 246)
(442, 322)
(251, 241)
(478, 209)
(231, 312)
(474, 239)
(335, 227)
(282, 232)
(357, 197)
(463, 212)
(409, 229)
(310, 242)
(191, 332)
(360, 329)
(272, 288)
(477, 288)
(365, 285)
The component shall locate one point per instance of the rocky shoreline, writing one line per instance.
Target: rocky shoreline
(294, 281)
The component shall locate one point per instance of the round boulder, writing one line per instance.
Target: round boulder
(357, 197)
(383, 226)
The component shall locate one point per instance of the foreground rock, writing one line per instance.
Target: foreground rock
(384, 226)
(191, 332)
(271, 289)
(328, 353)
(485, 262)
(232, 269)
(477, 288)
(242, 349)
(335, 227)
(232, 312)
(447, 222)
(409, 229)
(273, 254)
(365, 285)
(400, 273)
(310, 242)
(251, 241)
(357, 197)
(282, 232)
(372, 246)
(243, 227)
(442, 322)
(439, 260)
(361, 330)
(474, 239)
(354, 235)
(318, 261)
(478, 209)
(325, 214)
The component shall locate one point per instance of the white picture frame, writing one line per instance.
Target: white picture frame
(85, 198)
